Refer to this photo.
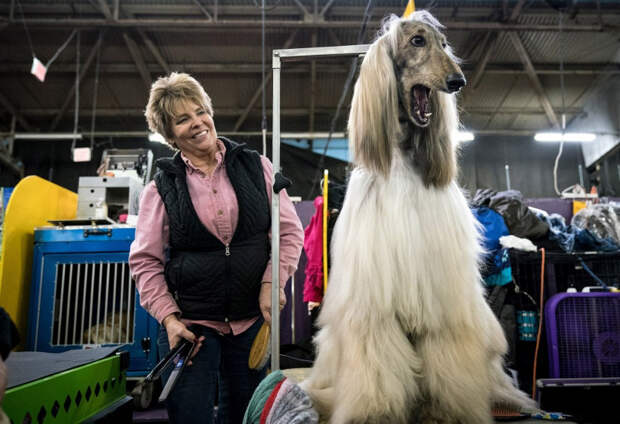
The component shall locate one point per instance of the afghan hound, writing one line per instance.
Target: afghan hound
(405, 332)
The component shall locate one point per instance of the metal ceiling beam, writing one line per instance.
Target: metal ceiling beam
(134, 51)
(260, 89)
(138, 134)
(312, 86)
(154, 51)
(234, 112)
(334, 39)
(71, 93)
(202, 25)
(534, 80)
(105, 9)
(516, 11)
(11, 163)
(326, 8)
(9, 106)
(488, 46)
(203, 10)
(307, 15)
(323, 68)
(338, 9)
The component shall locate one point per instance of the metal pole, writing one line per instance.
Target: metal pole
(275, 221)
(581, 182)
(507, 168)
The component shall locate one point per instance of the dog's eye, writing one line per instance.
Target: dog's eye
(418, 41)
(444, 44)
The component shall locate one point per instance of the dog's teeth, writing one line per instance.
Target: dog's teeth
(428, 114)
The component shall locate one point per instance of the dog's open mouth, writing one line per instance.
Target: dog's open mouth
(420, 104)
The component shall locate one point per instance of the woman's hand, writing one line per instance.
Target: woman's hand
(177, 330)
(264, 300)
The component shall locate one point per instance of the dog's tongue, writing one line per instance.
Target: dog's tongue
(421, 98)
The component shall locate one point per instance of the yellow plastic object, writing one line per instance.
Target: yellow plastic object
(33, 202)
(578, 205)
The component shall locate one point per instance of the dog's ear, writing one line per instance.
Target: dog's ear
(439, 141)
(373, 120)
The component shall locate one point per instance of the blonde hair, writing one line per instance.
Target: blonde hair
(166, 94)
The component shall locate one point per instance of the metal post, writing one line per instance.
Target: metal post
(581, 182)
(278, 55)
(275, 221)
(507, 168)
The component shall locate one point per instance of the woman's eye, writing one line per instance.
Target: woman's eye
(200, 112)
(418, 41)
(180, 121)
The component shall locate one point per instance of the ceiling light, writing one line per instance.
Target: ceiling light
(157, 138)
(47, 136)
(82, 154)
(465, 136)
(550, 137)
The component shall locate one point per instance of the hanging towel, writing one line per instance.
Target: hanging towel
(260, 396)
(313, 246)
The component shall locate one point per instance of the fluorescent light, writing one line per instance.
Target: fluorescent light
(311, 135)
(47, 136)
(157, 138)
(464, 136)
(551, 137)
(82, 154)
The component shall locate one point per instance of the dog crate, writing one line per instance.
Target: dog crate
(563, 270)
(583, 335)
(82, 294)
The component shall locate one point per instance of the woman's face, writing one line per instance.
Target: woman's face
(193, 129)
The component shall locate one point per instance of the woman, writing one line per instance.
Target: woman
(201, 255)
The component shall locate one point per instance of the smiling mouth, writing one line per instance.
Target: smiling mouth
(200, 134)
(420, 105)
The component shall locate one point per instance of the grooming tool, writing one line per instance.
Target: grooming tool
(261, 348)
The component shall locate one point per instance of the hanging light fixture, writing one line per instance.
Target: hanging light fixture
(552, 137)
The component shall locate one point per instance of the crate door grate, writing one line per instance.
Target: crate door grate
(93, 304)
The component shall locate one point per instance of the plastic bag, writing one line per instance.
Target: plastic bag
(601, 220)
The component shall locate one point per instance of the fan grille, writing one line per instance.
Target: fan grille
(588, 336)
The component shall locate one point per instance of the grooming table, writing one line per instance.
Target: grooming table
(70, 387)
(299, 374)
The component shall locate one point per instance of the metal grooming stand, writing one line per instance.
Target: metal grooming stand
(279, 56)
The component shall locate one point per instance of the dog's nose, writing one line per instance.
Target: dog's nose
(455, 82)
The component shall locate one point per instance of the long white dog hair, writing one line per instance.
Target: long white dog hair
(406, 334)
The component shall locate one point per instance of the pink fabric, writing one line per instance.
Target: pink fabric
(313, 245)
(216, 205)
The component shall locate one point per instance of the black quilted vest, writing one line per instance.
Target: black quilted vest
(211, 280)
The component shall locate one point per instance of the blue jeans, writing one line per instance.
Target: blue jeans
(220, 367)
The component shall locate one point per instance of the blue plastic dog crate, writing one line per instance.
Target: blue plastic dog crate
(82, 294)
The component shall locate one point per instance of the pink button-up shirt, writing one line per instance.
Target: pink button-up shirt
(216, 205)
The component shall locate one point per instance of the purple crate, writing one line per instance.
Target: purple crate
(583, 335)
